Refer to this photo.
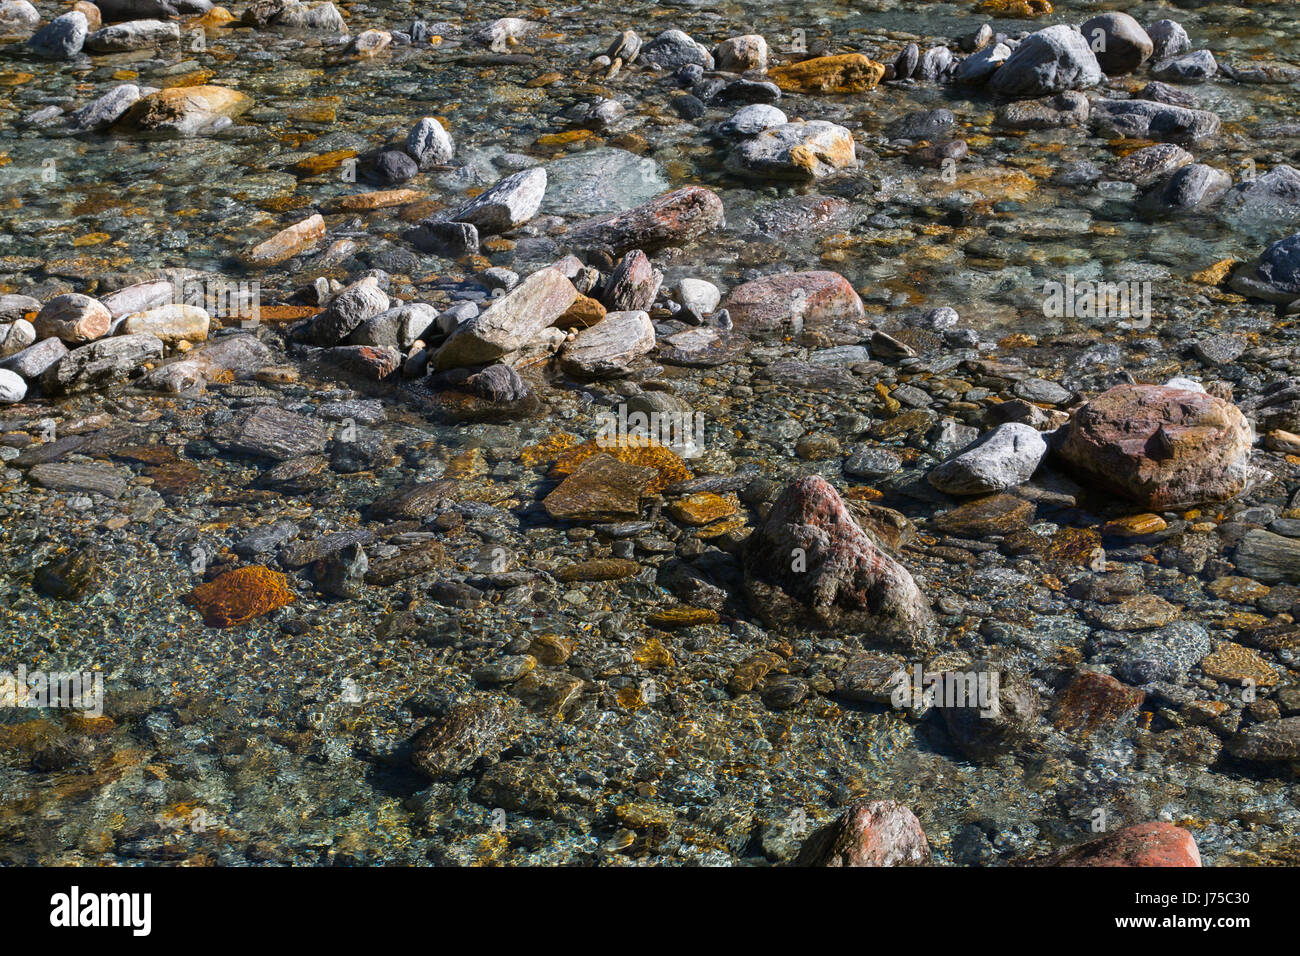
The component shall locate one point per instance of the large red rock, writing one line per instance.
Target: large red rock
(1161, 447)
(794, 301)
(810, 564)
(878, 833)
(1146, 844)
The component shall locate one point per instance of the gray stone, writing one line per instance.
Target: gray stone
(1146, 119)
(606, 349)
(1189, 68)
(1004, 458)
(60, 39)
(1269, 557)
(751, 120)
(1052, 60)
(1195, 185)
(429, 144)
(32, 361)
(134, 35)
(347, 310)
(105, 362)
(673, 48)
(798, 151)
(600, 181)
(105, 110)
(1168, 39)
(510, 202)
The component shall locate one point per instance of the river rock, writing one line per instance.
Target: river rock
(1004, 458)
(1269, 557)
(171, 323)
(1279, 266)
(287, 243)
(1148, 166)
(34, 360)
(605, 349)
(800, 151)
(1052, 60)
(1269, 200)
(134, 35)
(633, 284)
(60, 39)
(16, 336)
(1195, 185)
(74, 318)
(1050, 112)
(235, 356)
(869, 833)
(347, 310)
(842, 73)
(1157, 844)
(673, 49)
(672, 219)
(1189, 68)
(600, 488)
(1168, 39)
(750, 121)
(1161, 447)
(18, 17)
(1268, 741)
(510, 323)
(1118, 40)
(809, 564)
(429, 144)
(105, 110)
(509, 203)
(741, 54)
(12, 387)
(15, 307)
(268, 431)
(97, 364)
(1147, 119)
(186, 110)
(790, 302)
(316, 17)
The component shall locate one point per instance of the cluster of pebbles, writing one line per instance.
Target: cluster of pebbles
(368, 583)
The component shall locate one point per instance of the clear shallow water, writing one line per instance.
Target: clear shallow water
(251, 728)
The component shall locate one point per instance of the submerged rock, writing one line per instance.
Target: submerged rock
(875, 833)
(1147, 844)
(808, 563)
(791, 302)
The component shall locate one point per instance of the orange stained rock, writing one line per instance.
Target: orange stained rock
(234, 597)
(842, 73)
(664, 460)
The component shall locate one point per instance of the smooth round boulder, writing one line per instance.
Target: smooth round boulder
(1120, 43)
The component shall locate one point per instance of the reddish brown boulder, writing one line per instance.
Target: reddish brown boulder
(1161, 447)
(1094, 701)
(1146, 844)
(794, 301)
(809, 563)
(672, 219)
(878, 833)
